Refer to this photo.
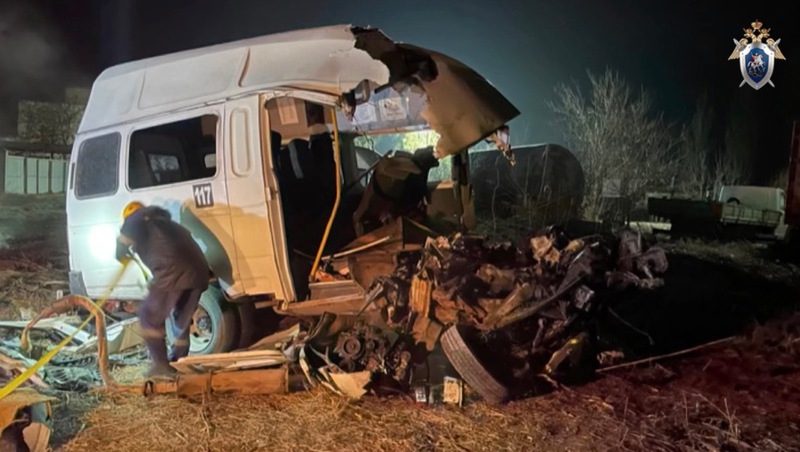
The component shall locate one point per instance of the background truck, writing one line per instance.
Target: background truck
(739, 211)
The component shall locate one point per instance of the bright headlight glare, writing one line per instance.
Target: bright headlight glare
(103, 242)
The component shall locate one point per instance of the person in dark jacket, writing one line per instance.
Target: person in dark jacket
(398, 188)
(180, 275)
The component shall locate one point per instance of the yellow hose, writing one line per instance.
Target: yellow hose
(21, 378)
(64, 305)
(337, 164)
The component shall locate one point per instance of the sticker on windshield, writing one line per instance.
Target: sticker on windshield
(392, 109)
(365, 114)
(203, 196)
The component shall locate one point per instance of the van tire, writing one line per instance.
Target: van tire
(463, 359)
(219, 331)
(246, 312)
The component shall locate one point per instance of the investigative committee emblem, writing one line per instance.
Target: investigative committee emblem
(757, 53)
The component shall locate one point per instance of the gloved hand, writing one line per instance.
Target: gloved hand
(123, 253)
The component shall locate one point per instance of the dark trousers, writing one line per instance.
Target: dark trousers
(153, 312)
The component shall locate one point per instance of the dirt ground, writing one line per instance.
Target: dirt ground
(743, 394)
(739, 396)
(33, 253)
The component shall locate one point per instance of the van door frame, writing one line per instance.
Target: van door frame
(272, 188)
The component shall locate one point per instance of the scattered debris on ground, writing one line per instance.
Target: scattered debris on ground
(532, 307)
(738, 394)
(26, 415)
(24, 293)
(735, 396)
(25, 420)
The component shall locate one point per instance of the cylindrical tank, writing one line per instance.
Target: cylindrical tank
(544, 187)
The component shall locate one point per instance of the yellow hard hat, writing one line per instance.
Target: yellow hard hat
(130, 208)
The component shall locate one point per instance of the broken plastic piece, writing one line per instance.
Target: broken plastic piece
(453, 392)
(36, 434)
(352, 385)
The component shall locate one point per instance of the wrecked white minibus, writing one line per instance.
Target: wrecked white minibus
(298, 161)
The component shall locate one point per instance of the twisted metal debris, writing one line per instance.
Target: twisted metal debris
(506, 317)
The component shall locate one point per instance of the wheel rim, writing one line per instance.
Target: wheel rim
(201, 332)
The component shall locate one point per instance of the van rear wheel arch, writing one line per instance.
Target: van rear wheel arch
(215, 324)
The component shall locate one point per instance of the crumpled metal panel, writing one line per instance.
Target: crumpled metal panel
(463, 107)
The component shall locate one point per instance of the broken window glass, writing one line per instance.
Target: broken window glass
(97, 166)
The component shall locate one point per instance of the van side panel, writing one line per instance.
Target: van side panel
(199, 204)
(252, 226)
(93, 225)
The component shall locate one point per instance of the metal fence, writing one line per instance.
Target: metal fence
(34, 174)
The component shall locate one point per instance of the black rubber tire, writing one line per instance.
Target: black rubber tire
(247, 324)
(470, 368)
(224, 323)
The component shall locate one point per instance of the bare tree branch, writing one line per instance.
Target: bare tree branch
(617, 137)
(50, 123)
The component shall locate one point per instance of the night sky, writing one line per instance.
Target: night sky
(675, 49)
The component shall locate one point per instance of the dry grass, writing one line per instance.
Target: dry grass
(313, 421)
(634, 410)
(68, 415)
(738, 396)
(33, 253)
(317, 420)
(693, 423)
(125, 375)
(24, 294)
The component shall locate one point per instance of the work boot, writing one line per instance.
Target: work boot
(159, 371)
(157, 349)
(178, 352)
(180, 347)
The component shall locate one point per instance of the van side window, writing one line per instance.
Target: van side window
(97, 166)
(175, 152)
(166, 168)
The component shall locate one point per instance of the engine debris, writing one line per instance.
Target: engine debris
(530, 307)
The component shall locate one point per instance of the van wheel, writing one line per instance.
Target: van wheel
(214, 325)
(247, 324)
(470, 368)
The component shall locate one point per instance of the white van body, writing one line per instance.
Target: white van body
(233, 209)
